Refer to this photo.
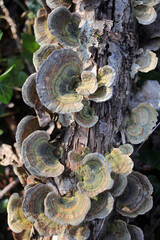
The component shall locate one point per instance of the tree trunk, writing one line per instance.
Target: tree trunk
(119, 48)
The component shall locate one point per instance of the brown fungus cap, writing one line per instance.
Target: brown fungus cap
(64, 26)
(80, 232)
(117, 230)
(69, 209)
(25, 127)
(120, 183)
(16, 218)
(42, 34)
(40, 157)
(136, 198)
(94, 175)
(29, 92)
(33, 208)
(101, 206)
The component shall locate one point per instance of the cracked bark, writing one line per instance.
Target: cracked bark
(120, 47)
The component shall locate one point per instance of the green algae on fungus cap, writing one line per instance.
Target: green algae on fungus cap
(140, 123)
(120, 162)
(101, 206)
(117, 230)
(29, 93)
(55, 3)
(16, 218)
(42, 53)
(40, 157)
(88, 84)
(120, 183)
(33, 208)
(57, 80)
(80, 232)
(41, 31)
(136, 198)
(135, 232)
(69, 209)
(86, 117)
(64, 25)
(25, 127)
(95, 174)
(145, 14)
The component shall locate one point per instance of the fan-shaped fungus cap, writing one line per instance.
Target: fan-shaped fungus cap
(66, 119)
(25, 127)
(42, 53)
(57, 81)
(42, 34)
(25, 235)
(120, 162)
(40, 157)
(80, 232)
(86, 117)
(75, 158)
(95, 174)
(29, 93)
(126, 149)
(120, 183)
(140, 123)
(55, 3)
(33, 208)
(88, 85)
(106, 78)
(136, 198)
(117, 230)
(68, 209)
(101, 206)
(135, 232)
(64, 26)
(16, 219)
(145, 62)
(145, 14)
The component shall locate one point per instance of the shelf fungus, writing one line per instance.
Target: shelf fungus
(80, 232)
(55, 3)
(140, 123)
(57, 81)
(86, 117)
(41, 31)
(16, 218)
(106, 78)
(42, 53)
(120, 162)
(64, 25)
(145, 62)
(40, 157)
(29, 92)
(33, 208)
(145, 14)
(135, 232)
(136, 198)
(94, 175)
(126, 149)
(146, 2)
(117, 230)
(26, 126)
(101, 206)
(69, 209)
(120, 183)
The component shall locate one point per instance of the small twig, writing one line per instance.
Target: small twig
(148, 137)
(8, 188)
(11, 24)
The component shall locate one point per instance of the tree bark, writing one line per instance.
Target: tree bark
(119, 48)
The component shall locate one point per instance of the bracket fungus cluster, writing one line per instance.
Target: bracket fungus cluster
(144, 11)
(62, 197)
